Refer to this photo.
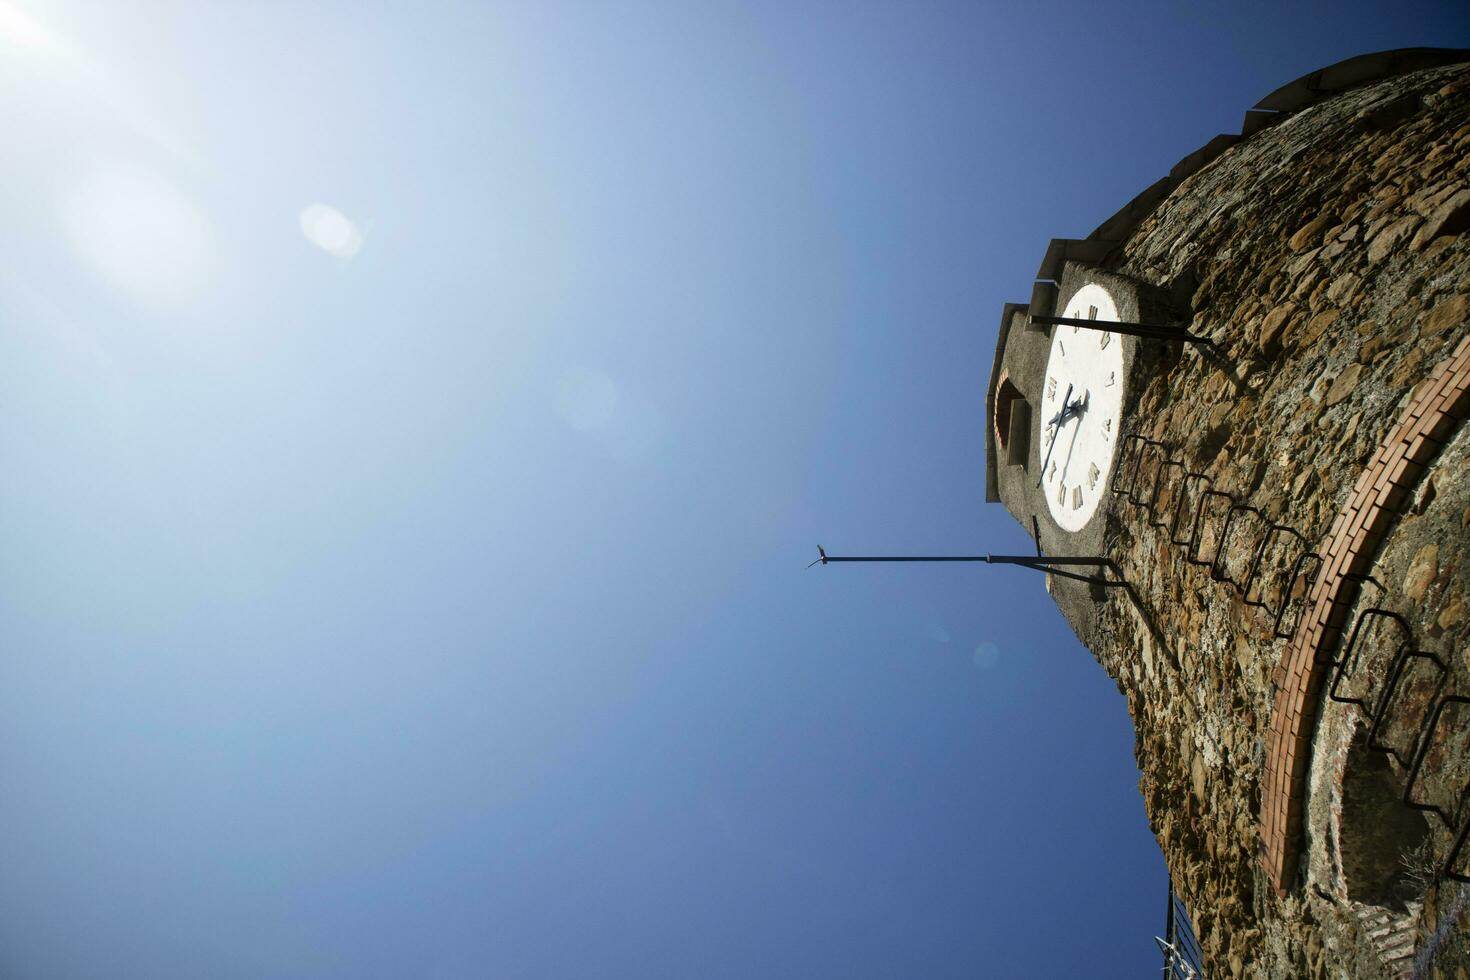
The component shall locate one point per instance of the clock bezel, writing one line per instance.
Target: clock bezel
(1097, 369)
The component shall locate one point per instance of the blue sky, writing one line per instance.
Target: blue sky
(420, 590)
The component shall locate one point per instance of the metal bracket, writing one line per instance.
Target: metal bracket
(1192, 554)
(1150, 331)
(1296, 575)
(1453, 858)
(1179, 509)
(1126, 454)
(1382, 714)
(1151, 507)
(1217, 566)
(1349, 653)
(1418, 765)
(1259, 560)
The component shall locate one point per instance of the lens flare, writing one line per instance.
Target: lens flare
(330, 230)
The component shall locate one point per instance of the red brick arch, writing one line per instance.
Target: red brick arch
(1361, 525)
(1005, 396)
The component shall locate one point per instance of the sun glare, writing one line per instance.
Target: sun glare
(141, 234)
(20, 28)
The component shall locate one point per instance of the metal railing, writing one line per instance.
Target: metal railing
(1202, 519)
(1183, 959)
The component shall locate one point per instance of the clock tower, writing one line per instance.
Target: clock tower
(1246, 391)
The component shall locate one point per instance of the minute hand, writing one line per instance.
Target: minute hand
(1076, 410)
(1057, 420)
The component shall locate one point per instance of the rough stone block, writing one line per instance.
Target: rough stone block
(1390, 237)
(1449, 218)
(1310, 234)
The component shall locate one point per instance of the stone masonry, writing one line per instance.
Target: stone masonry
(1333, 272)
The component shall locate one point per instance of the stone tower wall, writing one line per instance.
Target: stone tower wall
(1327, 257)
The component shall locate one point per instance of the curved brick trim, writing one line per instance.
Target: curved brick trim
(1001, 410)
(1434, 411)
(1007, 313)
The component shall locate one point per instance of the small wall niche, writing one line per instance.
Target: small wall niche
(1012, 423)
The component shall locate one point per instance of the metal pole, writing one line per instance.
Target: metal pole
(1051, 565)
(1155, 331)
(1171, 935)
(1052, 560)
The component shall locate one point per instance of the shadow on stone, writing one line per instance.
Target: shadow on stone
(1377, 831)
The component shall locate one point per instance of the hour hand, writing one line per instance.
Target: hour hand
(1065, 412)
(1069, 412)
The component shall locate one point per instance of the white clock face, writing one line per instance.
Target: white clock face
(1081, 399)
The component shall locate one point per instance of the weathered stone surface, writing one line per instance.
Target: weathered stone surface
(1451, 313)
(1310, 234)
(1343, 384)
(1409, 368)
(1342, 288)
(1422, 572)
(1318, 325)
(1449, 218)
(1348, 434)
(1390, 237)
(1219, 415)
(1428, 200)
(1274, 326)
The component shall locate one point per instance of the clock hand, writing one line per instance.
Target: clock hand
(1071, 447)
(1056, 420)
(1063, 413)
(1077, 409)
